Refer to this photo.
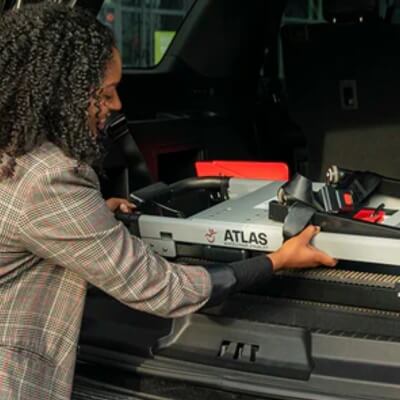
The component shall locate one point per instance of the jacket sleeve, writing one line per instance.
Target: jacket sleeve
(240, 275)
(66, 221)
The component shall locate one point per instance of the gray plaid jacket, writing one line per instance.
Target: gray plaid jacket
(57, 234)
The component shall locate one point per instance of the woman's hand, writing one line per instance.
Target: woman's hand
(297, 252)
(118, 204)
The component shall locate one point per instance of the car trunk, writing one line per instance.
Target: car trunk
(321, 93)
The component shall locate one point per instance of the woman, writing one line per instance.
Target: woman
(59, 73)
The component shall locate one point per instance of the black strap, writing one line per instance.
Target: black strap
(303, 202)
(330, 198)
(298, 217)
(300, 189)
(126, 152)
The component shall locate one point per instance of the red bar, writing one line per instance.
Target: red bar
(274, 171)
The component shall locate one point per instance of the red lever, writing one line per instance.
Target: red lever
(373, 216)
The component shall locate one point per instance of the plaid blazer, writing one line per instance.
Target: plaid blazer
(57, 234)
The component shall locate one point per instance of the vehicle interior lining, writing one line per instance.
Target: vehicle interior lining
(342, 88)
(195, 104)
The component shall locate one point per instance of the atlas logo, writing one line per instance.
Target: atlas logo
(247, 238)
(210, 235)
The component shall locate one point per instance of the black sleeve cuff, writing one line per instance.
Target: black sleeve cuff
(234, 277)
(223, 282)
(251, 271)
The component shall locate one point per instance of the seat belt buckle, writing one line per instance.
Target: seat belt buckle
(336, 200)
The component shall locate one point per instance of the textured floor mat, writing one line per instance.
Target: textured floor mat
(88, 390)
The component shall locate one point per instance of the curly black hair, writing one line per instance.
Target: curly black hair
(52, 60)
